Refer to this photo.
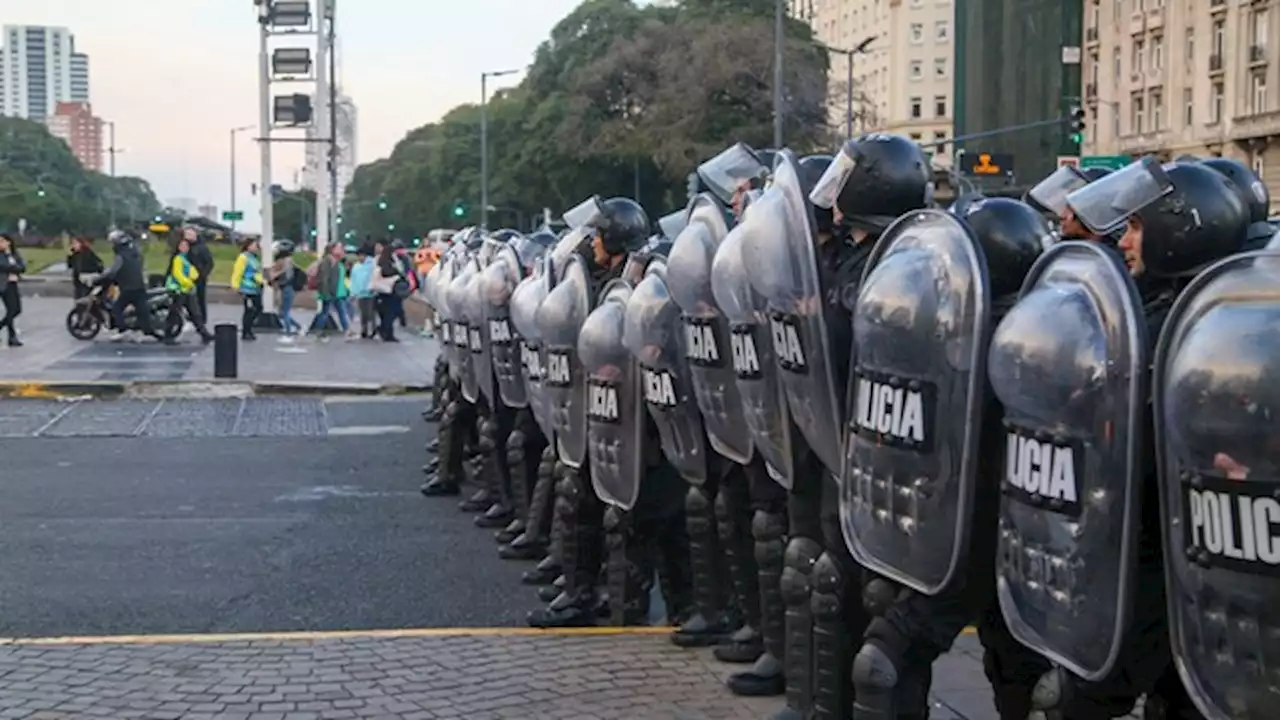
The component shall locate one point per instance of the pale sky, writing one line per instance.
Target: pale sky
(177, 75)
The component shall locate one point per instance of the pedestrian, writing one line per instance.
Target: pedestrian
(127, 273)
(82, 261)
(181, 283)
(202, 258)
(389, 283)
(246, 278)
(331, 289)
(287, 277)
(11, 269)
(405, 261)
(362, 291)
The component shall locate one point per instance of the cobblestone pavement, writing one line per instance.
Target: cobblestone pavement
(564, 677)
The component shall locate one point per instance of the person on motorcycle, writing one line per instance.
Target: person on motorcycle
(181, 285)
(82, 261)
(129, 277)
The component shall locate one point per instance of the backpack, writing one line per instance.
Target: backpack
(299, 280)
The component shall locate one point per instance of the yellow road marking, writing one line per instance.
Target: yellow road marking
(342, 634)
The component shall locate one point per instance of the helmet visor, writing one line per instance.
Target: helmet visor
(1051, 193)
(672, 224)
(729, 171)
(827, 190)
(1105, 205)
(585, 213)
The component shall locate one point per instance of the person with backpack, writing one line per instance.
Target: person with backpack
(289, 279)
(331, 289)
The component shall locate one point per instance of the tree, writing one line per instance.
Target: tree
(620, 98)
(293, 215)
(43, 183)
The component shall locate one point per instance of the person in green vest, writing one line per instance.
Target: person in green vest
(246, 278)
(181, 285)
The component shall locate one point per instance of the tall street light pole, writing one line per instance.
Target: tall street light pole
(779, 40)
(484, 142)
(234, 132)
(859, 49)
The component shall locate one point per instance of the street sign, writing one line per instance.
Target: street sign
(230, 215)
(1068, 161)
(987, 164)
(1110, 162)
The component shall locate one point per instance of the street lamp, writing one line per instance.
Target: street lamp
(484, 142)
(234, 131)
(859, 49)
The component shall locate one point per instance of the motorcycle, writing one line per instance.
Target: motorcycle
(96, 310)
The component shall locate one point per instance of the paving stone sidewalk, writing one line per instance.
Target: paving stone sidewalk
(51, 354)
(472, 677)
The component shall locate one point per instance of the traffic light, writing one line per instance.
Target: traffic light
(382, 203)
(459, 210)
(40, 190)
(391, 228)
(1077, 116)
(293, 109)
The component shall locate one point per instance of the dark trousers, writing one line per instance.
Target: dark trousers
(202, 297)
(252, 311)
(12, 308)
(141, 304)
(189, 303)
(390, 306)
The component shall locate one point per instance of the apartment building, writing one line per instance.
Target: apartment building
(39, 68)
(1174, 77)
(902, 80)
(76, 125)
(315, 173)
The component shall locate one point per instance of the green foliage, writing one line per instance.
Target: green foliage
(74, 199)
(619, 97)
(293, 215)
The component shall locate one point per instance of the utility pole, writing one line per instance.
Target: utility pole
(112, 150)
(848, 54)
(331, 15)
(264, 145)
(324, 126)
(779, 38)
(484, 143)
(234, 132)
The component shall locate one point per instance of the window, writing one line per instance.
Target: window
(1217, 104)
(1137, 5)
(1255, 162)
(1219, 37)
(940, 106)
(1191, 48)
(1139, 50)
(1157, 110)
(1139, 116)
(915, 137)
(1093, 69)
(1115, 63)
(1157, 53)
(917, 107)
(1117, 9)
(1095, 17)
(917, 33)
(941, 31)
(1258, 92)
(939, 67)
(1258, 23)
(917, 70)
(1188, 107)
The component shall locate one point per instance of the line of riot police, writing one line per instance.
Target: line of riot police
(838, 425)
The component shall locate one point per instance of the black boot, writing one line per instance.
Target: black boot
(448, 474)
(430, 466)
(532, 543)
(434, 445)
(769, 529)
(803, 550)
(547, 570)
(629, 570)
(580, 549)
(513, 530)
(709, 624)
(547, 593)
(733, 521)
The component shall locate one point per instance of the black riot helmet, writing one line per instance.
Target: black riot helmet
(1094, 174)
(1186, 159)
(874, 179)
(657, 247)
(505, 235)
(812, 168)
(1202, 219)
(623, 225)
(1251, 190)
(962, 203)
(1012, 235)
(543, 236)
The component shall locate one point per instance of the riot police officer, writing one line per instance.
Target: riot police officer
(923, 438)
(1177, 219)
(1255, 196)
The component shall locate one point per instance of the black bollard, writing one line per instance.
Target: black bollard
(226, 351)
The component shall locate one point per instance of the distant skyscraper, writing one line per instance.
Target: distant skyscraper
(76, 125)
(39, 68)
(315, 172)
(208, 211)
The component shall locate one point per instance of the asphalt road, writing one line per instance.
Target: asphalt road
(195, 532)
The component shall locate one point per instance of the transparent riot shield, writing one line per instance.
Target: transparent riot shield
(916, 394)
(615, 408)
(499, 284)
(730, 171)
(653, 332)
(1216, 392)
(1069, 362)
(671, 225)
(764, 405)
(461, 304)
(478, 341)
(784, 269)
(706, 330)
(559, 321)
(525, 301)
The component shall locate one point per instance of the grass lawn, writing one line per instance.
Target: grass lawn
(155, 256)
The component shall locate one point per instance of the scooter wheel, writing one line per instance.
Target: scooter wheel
(82, 324)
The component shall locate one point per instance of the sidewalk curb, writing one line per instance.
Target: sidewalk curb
(106, 389)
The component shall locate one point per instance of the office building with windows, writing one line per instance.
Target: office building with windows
(39, 67)
(1174, 77)
(902, 81)
(315, 173)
